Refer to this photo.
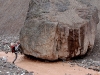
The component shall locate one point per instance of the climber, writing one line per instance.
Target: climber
(14, 50)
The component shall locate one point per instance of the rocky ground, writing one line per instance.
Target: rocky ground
(7, 68)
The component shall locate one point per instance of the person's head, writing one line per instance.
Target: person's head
(12, 44)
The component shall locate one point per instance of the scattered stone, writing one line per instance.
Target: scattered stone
(4, 59)
(7, 68)
(90, 64)
(88, 74)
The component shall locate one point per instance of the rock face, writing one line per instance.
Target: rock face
(57, 29)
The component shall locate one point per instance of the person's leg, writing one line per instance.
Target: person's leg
(15, 58)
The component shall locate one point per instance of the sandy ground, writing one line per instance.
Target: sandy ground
(48, 68)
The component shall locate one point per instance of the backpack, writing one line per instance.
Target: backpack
(13, 49)
(18, 48)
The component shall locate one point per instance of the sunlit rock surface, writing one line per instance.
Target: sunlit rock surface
(57, 29)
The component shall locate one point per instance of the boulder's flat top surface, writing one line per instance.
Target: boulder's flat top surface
(48, 68)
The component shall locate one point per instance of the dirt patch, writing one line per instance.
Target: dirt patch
(48, 68)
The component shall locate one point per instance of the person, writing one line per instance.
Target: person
(14, 50)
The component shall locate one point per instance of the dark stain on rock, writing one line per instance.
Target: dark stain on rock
(82, 36)
(58, 40)
(76, 39)
(73, 42)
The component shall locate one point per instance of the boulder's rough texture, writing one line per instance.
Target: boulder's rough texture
(58, 29)
(13, 14)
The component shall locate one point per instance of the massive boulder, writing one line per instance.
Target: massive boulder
(58, 29)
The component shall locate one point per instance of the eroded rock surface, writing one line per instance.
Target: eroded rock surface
(58, 29)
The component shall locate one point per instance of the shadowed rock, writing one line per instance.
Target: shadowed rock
(57, 29)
